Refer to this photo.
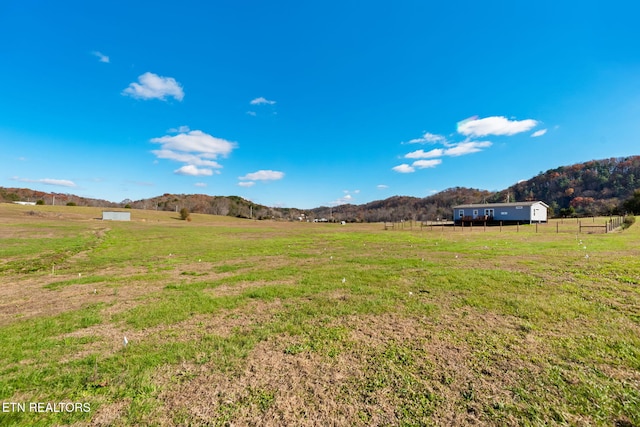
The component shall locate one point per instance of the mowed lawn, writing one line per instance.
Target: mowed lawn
(241, 322)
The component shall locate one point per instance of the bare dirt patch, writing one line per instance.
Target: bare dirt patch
(276, 387)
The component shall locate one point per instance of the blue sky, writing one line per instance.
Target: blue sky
(304, 104)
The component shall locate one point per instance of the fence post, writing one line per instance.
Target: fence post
(501, 226)
(536, 227)
(557, 227)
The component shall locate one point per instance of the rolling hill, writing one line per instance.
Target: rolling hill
(596, 187)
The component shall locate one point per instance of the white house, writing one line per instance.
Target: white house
(521, 212)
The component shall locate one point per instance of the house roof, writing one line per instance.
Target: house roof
(499, 205)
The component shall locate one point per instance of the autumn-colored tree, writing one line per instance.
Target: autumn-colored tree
(633, 204)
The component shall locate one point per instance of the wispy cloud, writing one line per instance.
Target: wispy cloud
(495, 125)
(347, 198)
(47, 181)
(200, 184)
(453, 150)
(421, 154)
(428, 138)
(538, 133)
(468, 147)
(194, 148)
(101, 57)
(424, 164)
(418, 164)
(471, 128)
(153, 86)
(179, 129)
(382, 186)
(262, 175)
(261, 100)
(246, 184)
(403, 168)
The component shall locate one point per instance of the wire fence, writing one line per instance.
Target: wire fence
(589, 225)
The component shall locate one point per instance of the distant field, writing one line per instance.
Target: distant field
(240, 322)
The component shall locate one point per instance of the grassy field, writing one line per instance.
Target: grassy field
(239, 322)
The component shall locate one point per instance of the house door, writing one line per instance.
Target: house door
(489, 213)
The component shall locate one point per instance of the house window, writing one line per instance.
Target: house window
(518, 207)
(461, 213)
(488, 212)
(504, 213)
(475, 212)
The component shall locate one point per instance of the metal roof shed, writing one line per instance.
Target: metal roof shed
(116, 216)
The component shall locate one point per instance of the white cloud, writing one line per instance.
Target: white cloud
(47, 181)
(200, 184)
(423, 164)
(194, 148)
(342, 200)
(382, 187)
(403, 168)
(191, 170)
(152, 86)
(469, 147)
(186, 158)
(453, 150)
(101, 57)
(538, 133)
(261, 100)
(251, 113)
(246, 184)
(262, 175)
(428, 138)
(196, 141)
(421, 154)
(495, 125)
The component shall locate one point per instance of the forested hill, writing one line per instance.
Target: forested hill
(399, 208)
(590, 188)
(595, 187)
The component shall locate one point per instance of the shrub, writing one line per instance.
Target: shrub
(184, 214)
(628, 221)
(40, 202)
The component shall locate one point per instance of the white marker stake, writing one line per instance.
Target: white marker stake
(124, 354)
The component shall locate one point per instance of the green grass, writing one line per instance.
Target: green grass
(422, 327)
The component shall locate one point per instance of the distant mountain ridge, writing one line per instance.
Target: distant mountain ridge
(596, 187)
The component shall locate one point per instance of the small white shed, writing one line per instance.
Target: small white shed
(116, 216)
